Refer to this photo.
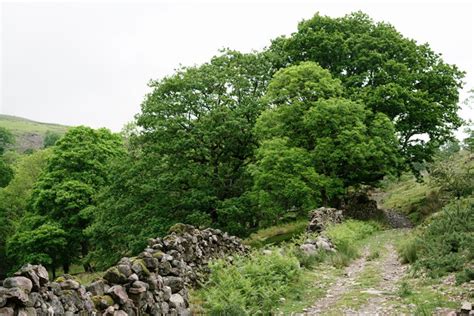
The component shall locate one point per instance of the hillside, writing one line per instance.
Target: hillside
(29, 134)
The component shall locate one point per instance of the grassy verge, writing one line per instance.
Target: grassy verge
(347, 238)
(280, 280)
(77, 271)
(415, 199)
(276, 234)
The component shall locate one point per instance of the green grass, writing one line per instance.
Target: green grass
(415, 199)
(347, 238)
(276, 234)
(23, 129)
(77, 271)
(18, 126)
(425, 295)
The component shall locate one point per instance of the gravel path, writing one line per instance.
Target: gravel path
(339, 287)
(391, 271)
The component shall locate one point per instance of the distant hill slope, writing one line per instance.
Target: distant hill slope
(29, 134)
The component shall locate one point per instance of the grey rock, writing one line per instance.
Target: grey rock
(125, 269)
(7, 311)
(466, 306)
(166, 293)
(165, 307)
(177, 301)
(26, 311)
(118, 293)
(133, 277)
(20, 282)
(308, 249)
(114, 276)
(96, 287)
(175, 283)
(14, 294)
(164, 268)
(323, 216)
(69, 285)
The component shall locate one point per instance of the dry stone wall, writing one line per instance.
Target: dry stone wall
(155, 282)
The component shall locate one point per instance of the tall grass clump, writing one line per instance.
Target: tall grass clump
(346, 236)
(250, 285)
(408, 248)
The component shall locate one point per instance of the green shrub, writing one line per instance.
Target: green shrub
(250, 285)
(465, 276)
(446, 244)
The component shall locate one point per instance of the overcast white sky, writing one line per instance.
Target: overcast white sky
(89, 63)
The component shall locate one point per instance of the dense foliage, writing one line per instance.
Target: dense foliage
(389, 73)
(63, 198)
(319, 142)
(251, 285)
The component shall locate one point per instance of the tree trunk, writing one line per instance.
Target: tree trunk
(85, 250)
(66, 267)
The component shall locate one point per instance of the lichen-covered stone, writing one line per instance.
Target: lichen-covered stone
(114, 276)
(101, 302)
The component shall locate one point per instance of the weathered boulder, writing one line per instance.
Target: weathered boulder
(36, 273)
(14, 295)
(308, 249)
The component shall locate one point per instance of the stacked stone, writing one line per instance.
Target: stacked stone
(153, 283)
(321, 217)
(29, 292)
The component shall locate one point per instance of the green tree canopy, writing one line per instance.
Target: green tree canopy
(50, 139)
(389, 73)
(15, 196)
(6, 138)
(196, 138)
(332, 142)
(6, 172)
(76, 171)
(38, 240)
